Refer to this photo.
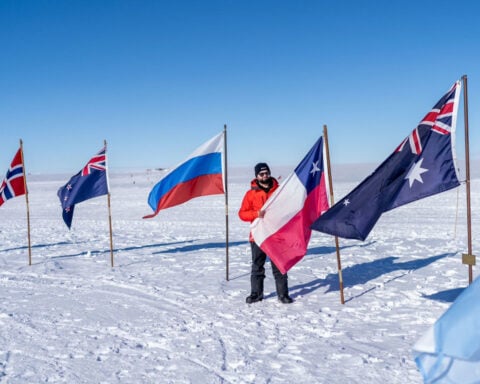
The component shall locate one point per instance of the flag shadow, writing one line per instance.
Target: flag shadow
(133, 248)
(23, 247)
(447, 296)
(197, 247)
(363, 273)
(323, 250)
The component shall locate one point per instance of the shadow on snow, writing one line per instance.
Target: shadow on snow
(447, 296)
(198, 247)
(364, 273)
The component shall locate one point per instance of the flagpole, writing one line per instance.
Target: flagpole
(109, 210)
(28, 205)
(226, 198)
(337, 246)
(469, 258)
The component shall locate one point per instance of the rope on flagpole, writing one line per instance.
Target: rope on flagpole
(456, 215)
(468, 258)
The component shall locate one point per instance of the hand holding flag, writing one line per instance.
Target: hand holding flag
(284, 232)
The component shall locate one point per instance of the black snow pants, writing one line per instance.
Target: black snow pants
(258, 273)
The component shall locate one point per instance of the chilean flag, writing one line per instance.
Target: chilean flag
(201, 174)
(284, 232)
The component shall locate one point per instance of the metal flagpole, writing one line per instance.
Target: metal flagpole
(28, 205)
(109, 208)
(337, 246)
(225, 182)
(468, 258)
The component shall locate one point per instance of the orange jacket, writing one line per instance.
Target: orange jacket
(254, 200)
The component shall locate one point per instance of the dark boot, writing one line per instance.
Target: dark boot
(253, 298)
(281, 284)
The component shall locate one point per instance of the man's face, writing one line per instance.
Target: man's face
(263, 176)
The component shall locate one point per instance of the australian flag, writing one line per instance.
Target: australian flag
(90, 182)
(421, 166)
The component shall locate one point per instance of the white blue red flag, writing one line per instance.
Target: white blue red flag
(284, 232)
(422, 165)
(201, 174)
(14, 183)
(90, 182)
(449, 352)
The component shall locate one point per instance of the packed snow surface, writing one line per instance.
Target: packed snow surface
(166, 313)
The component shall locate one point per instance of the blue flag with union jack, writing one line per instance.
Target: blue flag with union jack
(90, 182)
(421, 166)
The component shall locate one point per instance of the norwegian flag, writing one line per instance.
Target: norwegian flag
(420, 169)
(14, 183)
(90, 182)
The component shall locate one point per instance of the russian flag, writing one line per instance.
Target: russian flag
(201, 174)
(284, 232)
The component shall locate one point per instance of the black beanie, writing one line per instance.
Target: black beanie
(261, 167)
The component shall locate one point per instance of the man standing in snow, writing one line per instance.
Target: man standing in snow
(261, 188)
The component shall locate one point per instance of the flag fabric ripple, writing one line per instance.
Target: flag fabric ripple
(449, 352)
(422, 165)
(14, 183)
(284, 232)
(90, 182)
(201, 174)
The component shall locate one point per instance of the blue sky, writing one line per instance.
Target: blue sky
(158, 78)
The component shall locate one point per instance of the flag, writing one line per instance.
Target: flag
(284, 232)
(421, 166)
(201, 174)
(90, 182)
(449, 352)
(14, 183)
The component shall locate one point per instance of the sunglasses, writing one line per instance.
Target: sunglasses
(264, 174)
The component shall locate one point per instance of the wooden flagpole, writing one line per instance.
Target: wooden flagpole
(28, 205)
(337, 246)
(109, 208)
(225, 168)
(468, 258)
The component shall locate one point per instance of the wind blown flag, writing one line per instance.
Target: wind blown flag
(450, 350)
(90, 182)
(201, 174)
(14, 183)
(421, 166)
(284, 232)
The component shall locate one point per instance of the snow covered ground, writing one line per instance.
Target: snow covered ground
(165, 312)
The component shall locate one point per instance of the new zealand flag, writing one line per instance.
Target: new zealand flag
(421, 166)
(90, 182)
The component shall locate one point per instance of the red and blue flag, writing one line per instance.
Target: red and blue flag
(14, 183)
(284, 232)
